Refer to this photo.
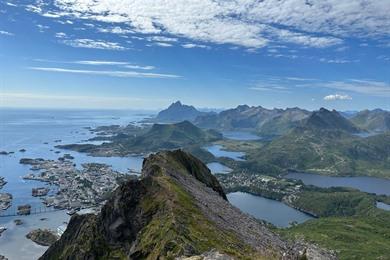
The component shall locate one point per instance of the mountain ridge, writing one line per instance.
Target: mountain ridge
(176, 209)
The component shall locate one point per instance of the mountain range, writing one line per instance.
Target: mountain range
(325, 143)
(272, 122)
(376, 120)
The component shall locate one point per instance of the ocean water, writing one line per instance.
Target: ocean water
(38, 131)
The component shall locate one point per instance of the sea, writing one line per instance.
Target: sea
(38, 131)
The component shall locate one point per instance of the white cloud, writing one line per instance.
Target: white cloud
(138, 67)
(163, 44)
(247, 23)
(11, 4)
(94, 44)
(192, 45)
(161, 39)
(42, 28)
(305, 39)
(100, 62)
(337, 97)
(125, 64)
(337, 61)
(111, 73)
(60, 35)
(116, 30)
(6, 33)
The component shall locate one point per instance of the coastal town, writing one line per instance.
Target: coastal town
(68, 187)
(263, 185)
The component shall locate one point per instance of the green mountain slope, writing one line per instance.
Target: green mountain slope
(329, 152)
(158, 137)
(325, 119)
(372, 120)
(176, 209)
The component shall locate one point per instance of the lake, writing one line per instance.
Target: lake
(218, 151)
(240, 135)
(216, 167)
(366, 184)
(382, 205)
(272, 211)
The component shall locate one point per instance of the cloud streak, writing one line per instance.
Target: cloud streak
(6, 33)
(94, 44)
(111, 73)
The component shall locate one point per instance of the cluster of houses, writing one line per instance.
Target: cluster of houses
(75, 188)
(259, 183)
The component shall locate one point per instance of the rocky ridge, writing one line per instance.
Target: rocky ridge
(177, 209)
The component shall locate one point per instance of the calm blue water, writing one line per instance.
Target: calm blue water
(30, 130)
(366, 184)
(272, 211)
(238, 135)
(216, 167)
(382, 205)
(217, 151)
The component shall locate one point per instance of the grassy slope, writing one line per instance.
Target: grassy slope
(355, 237)
(167, 233)
(325, 152)
(335, 201)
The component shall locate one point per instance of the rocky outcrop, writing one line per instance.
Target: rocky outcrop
(42, 237)
(177, 209)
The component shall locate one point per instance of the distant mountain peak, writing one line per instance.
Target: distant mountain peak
(331, 120)
(177, 112)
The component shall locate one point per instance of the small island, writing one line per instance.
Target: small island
(43, 237)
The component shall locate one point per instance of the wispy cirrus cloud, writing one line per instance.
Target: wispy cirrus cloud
(368, 87)
(99, 62)
(94, 44)
(247, 23)
(111, 73)
(337, 97)
(115, 30)
(123, 64)
(290, 84)
(193, 45)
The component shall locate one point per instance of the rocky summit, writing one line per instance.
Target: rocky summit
(176, 210)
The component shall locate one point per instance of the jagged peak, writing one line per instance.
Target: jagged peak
(184, 163)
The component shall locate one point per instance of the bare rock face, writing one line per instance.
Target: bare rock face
(177, 210)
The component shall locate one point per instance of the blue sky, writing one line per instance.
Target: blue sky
(147, 54)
